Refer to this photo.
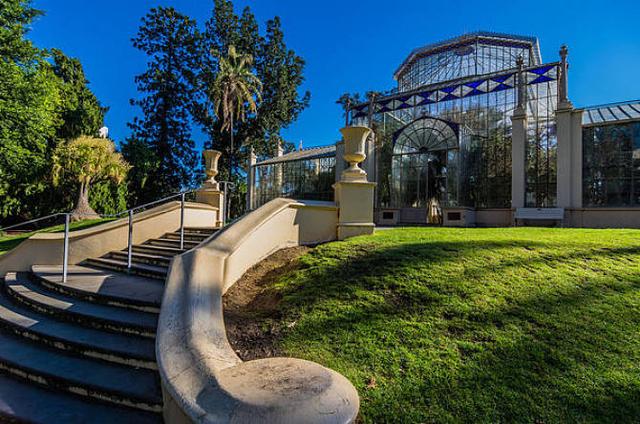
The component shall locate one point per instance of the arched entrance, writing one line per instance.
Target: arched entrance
(423, 170)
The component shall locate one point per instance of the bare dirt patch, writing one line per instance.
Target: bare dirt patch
(251, 312)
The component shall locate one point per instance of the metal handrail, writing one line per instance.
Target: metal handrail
(130, 213)
(30, 221)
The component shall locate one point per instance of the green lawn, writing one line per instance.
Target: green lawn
(9, 242)
(475, 325)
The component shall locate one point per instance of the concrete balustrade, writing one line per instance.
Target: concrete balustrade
(203, 379)
(47, 248)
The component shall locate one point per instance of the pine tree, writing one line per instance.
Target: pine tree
(170, 39)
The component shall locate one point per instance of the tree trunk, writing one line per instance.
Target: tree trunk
(83, 210)
(231, 149)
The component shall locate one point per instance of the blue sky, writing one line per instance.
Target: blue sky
(356, 45)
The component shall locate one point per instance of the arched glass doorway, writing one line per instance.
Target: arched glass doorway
(424, 167)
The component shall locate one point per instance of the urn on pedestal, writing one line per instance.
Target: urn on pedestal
(354, 152)
(211, 167)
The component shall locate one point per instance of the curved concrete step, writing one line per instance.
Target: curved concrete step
(201, 230)
(24, 402)
(104, 317)
(119, 348)
(141, 258)
(113, 383)
(188, 237)
(165, 242)
(103, 286)
(144, 270)
(168, 252)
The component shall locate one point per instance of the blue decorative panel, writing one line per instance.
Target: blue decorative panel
(541, 78)
(494, 84)
(542, 70)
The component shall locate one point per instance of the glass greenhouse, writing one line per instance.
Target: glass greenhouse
(445, 140)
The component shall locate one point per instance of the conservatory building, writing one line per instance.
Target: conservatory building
(479, 131)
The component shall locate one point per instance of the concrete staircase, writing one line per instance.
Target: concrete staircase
(84, 350)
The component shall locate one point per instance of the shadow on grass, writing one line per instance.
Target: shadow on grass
(549, 354)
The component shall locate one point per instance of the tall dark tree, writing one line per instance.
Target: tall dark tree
(278, 68)
(281, 73)
(170, 40)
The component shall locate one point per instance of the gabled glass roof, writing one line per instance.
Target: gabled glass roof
(476, 53)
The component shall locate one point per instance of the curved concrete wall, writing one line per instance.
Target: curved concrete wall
(47, 248)
(203, 379)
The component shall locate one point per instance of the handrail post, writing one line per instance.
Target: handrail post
(182, 221)
(130, 243)
(65, 253)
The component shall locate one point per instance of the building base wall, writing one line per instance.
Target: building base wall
(497, 217)
(603, 218)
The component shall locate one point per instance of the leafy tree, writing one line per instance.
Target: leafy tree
(15, 17)
(80, 110)
(44, 99)
(29, 99)
(170, 39)
(144, 161)
(87, 160)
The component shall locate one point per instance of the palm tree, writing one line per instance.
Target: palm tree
(347, 100)
(87, 160)
(236, 90)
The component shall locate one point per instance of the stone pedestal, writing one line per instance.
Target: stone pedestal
(355, 203)
(354, 195)
(213, 197)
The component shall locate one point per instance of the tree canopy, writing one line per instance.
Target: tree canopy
(44, 99)
(161, 140)
(87, 160)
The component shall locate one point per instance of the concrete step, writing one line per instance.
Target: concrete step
(104, 317)
(89, 378)
(193, 237)
(168, 252)
(141, 258)
(58, 334)
(202, 230)
(143, 270)
(165, 242)
(27, 403)
(103, 286)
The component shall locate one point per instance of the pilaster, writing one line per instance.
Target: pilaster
(518, 158)
(519, 141)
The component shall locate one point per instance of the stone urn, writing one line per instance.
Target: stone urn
(354, 152)
(211, 167)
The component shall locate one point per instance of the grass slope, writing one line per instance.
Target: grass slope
(475, 325)
(9, 242)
